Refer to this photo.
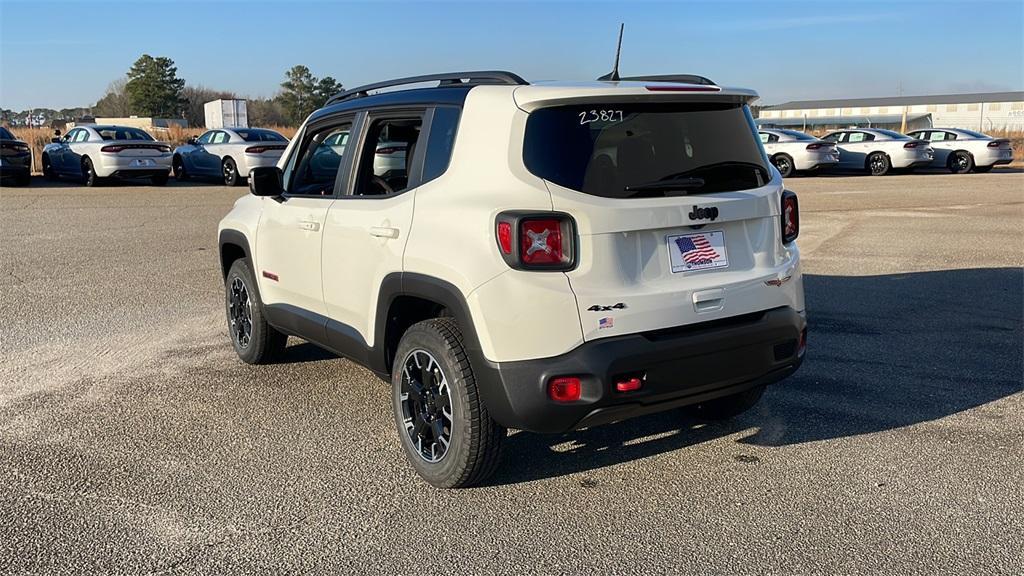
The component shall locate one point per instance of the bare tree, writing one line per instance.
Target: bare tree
(115, 103)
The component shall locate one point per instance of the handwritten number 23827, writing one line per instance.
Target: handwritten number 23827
(588, 116)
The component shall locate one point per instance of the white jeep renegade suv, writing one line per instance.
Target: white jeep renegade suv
(550, 256)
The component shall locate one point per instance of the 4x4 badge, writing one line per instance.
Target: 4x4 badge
(600, 308)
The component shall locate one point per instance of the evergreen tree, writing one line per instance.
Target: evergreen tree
(154, 88)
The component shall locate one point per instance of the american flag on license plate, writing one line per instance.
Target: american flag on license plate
(695, 248)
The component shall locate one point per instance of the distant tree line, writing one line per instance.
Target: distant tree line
(151, 87)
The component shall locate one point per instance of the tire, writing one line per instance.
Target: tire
(960, 162)
(878, 164)
(728, 406)
(178, 166)
(160, 179)
(784, 163)
(261, 343)
(431, 358)
(89, 177)
(983, 169)
(48, 172)
(230, 172)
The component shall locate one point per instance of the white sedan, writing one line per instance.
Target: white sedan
(962, 150)
(877, 151)
(792, 150)
(93, 153)
(228, 154)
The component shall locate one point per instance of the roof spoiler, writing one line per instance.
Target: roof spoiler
(446, 79)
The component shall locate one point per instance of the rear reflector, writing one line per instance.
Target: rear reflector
(628, 383)
(505, 237)
(670, 88)
(565, 389)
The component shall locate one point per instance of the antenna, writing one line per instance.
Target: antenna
(613, 76)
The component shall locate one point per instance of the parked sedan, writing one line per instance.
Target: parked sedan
(962, 150)
(877, 151)
(228, 154)
(15, 159)
(792, 150)
(93, 153)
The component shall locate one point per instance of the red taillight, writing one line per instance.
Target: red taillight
(790, 217)
(15, 146)
(997, 143)
(540, 242)
(628, 383)
(112, 149)
(914, 144)
(389, 150)
(670, 88)
(505, 237)
(565, 389)
(818, 145)
(115, 148)
(537, 241)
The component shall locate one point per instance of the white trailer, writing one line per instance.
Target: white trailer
(226, 114)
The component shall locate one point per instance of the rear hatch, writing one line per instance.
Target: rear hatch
(676, 209)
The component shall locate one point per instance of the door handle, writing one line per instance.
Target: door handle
(310, 225)
(383, 232)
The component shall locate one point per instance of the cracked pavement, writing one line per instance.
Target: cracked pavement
(132, 441)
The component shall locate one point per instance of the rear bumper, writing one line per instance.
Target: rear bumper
(814, 160)
(679, 366)
(112, 165)
(912, 159)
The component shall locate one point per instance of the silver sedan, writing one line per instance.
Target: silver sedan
(792, 150)
(961, 151)
(228, 154)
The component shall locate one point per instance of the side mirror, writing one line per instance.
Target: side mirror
(266, 181)
(57, 132)
(192, 140)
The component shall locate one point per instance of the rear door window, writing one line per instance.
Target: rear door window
(629, 150)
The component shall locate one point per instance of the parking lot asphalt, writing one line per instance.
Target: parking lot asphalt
(133, 441)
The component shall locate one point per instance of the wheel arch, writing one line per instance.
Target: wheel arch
(423, 294)
(232, 245)
(953, 153)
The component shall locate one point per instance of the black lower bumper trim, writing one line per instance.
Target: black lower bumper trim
(679, 366)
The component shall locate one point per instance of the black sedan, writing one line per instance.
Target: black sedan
(15, 158)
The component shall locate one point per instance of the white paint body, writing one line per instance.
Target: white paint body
(856, 145)
(67, 156)
(205, 156)
(985, 150)
(330, 255)
(820, 154)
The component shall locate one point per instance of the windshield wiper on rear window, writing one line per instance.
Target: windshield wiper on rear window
(670, 187)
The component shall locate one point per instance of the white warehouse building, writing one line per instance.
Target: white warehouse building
(983, 112)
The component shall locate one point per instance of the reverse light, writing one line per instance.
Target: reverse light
(790, 217)
(565, 389)
(537, 240)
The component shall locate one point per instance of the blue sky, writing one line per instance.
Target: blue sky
(62, 54)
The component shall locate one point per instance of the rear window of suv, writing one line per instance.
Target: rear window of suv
(640, 150)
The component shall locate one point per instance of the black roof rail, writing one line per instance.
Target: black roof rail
(446, 79)
(683, 78)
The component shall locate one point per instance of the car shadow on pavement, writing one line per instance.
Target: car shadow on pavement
(884, 352)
